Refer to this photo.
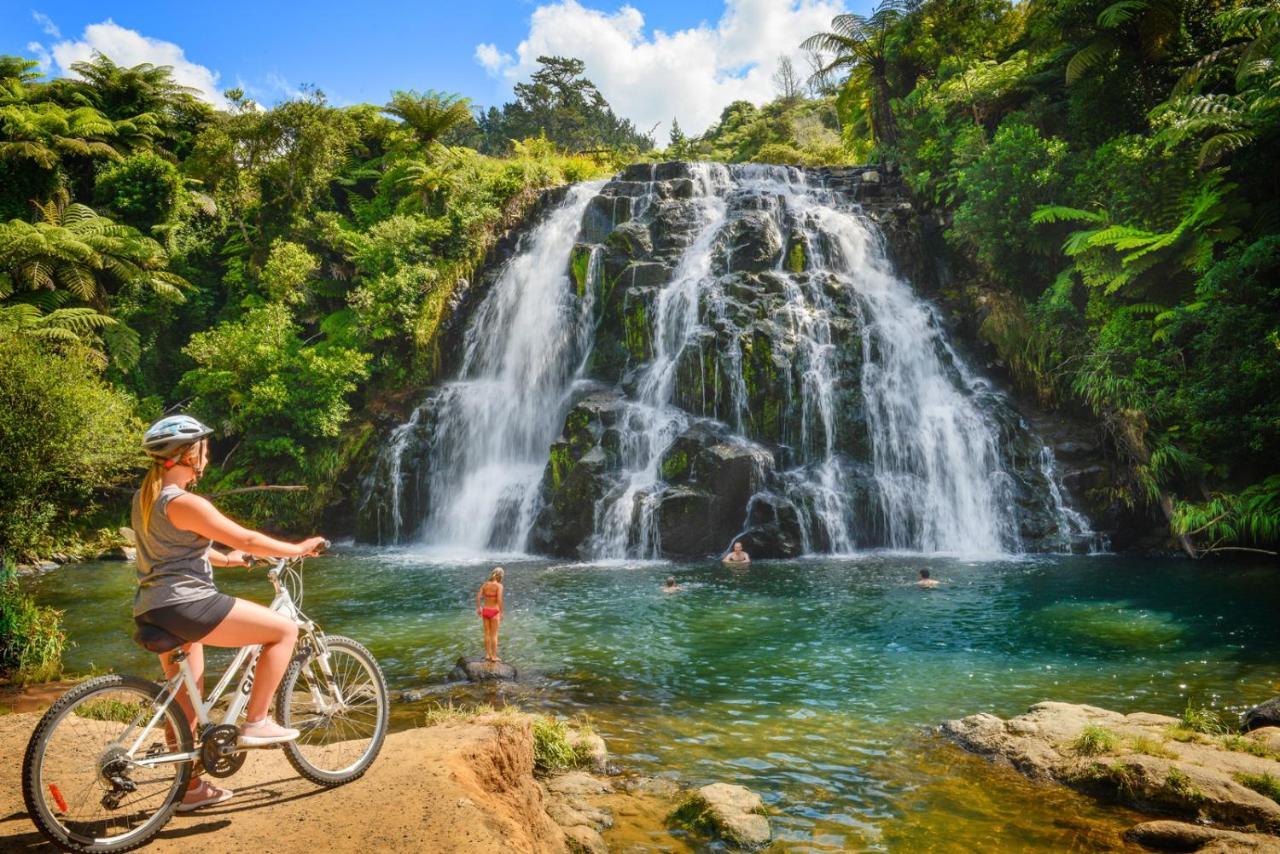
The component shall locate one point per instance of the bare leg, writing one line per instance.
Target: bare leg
(250, 623)
(497, 622)
(488, 639)
(195, 660)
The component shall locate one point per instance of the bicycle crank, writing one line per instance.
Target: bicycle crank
(218, 751)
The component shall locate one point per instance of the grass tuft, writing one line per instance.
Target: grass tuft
(1095, 739)
(1244, 744)
(1149, 746)
(1179, 786)
(1263, 784)
(31, 636)
(106, 709)
(1203, 719)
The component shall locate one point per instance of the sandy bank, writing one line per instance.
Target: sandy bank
(453, 787)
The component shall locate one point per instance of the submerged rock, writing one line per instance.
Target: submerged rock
(732, 814)
(478, 670)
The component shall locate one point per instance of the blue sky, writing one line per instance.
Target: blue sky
(652, 58)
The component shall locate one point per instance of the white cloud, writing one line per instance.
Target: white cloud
(691, 74)
(129, 47)
(46, 23)
(492, 59)
(41, 54)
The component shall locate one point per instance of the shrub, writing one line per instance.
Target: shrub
(553, 749)
(31, 637)
(1203, 719)
(1019, 171)
(66, 436)
(142, 190)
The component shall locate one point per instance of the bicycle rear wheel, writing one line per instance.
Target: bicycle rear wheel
(80, 780)
(340, 706)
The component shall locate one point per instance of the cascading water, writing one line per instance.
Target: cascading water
(492, 426)
(697, 352)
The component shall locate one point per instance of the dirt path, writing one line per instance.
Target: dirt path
(446, 788)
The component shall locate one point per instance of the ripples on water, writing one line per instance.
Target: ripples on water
(814, 682)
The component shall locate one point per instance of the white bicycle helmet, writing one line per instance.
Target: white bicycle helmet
(169, 436)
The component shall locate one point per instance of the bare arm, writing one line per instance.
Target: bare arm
(479, 596)
(195, 514)
(501, 590)
(235, 557)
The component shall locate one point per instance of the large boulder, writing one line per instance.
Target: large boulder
(734, 815)
(1262, 715)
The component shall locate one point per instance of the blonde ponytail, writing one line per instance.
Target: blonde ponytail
(149, 492)
(497, 574)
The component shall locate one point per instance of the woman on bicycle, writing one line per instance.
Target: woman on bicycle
(175, 530)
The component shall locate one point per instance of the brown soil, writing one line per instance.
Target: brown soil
(453, 787)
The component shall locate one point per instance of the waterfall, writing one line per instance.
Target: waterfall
(493, 424)
(693, 353)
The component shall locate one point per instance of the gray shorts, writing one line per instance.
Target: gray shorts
(190, 621)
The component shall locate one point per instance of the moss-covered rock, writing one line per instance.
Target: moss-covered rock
(734, 815)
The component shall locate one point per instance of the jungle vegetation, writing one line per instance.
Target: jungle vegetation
(280, 272)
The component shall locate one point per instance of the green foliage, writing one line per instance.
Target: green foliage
(1094, 739)
(110, 709)
(795, 131)
(66, 438)
(287, 269)
(554, 748)
(31, 637)
(1016, 173)
(142, 190)
(1150, 747)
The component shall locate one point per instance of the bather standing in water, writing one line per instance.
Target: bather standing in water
(925, 582)
(670, 586)
(737, 555)
(489, 607)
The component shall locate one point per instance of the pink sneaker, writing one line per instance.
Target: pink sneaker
(264, 732)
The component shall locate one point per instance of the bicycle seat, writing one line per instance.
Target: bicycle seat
(155, 639)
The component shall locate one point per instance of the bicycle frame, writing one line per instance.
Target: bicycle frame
(184, 679)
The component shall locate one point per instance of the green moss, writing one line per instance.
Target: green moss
(1181, 733)
(580, 267)
(796, 257)
(1120, 778)
(559, 464)
(1095, 739)
(1244, 744)
(675, 465)
(636, 331)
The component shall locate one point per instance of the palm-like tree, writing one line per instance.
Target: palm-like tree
(1228, 121)
(429, 115)
(1152, 26)
(859, 44)
(45, 132)
(74, 249)
(127, 92)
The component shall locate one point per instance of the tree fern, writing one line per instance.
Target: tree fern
(1247, 520)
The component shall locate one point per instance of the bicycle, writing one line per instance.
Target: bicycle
(110, 761)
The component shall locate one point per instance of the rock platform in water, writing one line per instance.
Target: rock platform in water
(478, 670)
(1146, 761)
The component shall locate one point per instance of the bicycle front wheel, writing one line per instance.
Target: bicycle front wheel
(338, 701)
(81, 780)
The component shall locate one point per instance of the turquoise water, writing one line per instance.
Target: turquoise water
(814, 682)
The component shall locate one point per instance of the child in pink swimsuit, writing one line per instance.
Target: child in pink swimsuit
(489, 607)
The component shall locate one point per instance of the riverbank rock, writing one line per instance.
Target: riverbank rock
(733, 814)
(476, 669)
(1181, 836)
(1146, 761)
(1262, 715)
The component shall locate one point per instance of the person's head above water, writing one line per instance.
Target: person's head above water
(497, 574)
(924, 573)
(737, 547)
(671, 581)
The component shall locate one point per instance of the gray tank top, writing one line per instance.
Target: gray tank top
(173, 565)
